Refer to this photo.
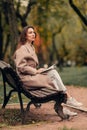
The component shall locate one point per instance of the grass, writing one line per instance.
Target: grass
(65, 128)
(14, 97)
(10, 117)
(76, 76)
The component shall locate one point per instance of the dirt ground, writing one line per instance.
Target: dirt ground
(48, 119)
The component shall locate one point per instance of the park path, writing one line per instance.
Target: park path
(48, 120)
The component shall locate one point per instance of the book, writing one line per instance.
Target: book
(49, 68)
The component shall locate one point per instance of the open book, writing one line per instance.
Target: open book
(49, 68)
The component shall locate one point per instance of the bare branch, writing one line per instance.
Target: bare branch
(78, 12)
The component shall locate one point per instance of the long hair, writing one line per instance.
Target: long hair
(23, 39)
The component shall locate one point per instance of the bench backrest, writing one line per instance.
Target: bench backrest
(10, 76)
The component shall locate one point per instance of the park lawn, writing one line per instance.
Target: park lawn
(76, 76)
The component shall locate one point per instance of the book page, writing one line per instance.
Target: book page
(49, 68)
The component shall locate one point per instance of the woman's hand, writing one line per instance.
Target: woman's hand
(40, 70)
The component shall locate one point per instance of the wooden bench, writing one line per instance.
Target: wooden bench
(35, 95)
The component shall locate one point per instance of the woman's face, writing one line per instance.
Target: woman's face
(30, 35)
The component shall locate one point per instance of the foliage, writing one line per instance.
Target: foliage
(61, 31)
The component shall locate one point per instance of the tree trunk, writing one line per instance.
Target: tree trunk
(10, 12)
(1, 37)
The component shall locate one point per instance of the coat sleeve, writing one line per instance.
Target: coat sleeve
(21, 63)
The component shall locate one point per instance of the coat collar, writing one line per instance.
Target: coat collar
(30, 48)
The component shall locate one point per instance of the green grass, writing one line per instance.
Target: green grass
(76, 76)
(14, 97)
(65, 128)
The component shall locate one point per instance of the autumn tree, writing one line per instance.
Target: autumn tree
(9, 30)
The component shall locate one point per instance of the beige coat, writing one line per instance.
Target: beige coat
(26, 62)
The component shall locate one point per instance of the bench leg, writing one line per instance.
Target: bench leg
(62, 98)
(59, 110)
(21, 106)
(25, 113)
(37, 105)
(28, 106)
(6, 97)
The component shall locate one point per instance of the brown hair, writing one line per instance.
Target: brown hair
(22, 39)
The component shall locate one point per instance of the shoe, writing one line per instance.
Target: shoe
(72, 101)
(68, 112)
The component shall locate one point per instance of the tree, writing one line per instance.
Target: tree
(12, 37)
(59, 27)
(49, 17)
(10, 16)
(78, 12)
(23, 16)
(1, 32)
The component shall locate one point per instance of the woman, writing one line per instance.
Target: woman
(26, 62)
